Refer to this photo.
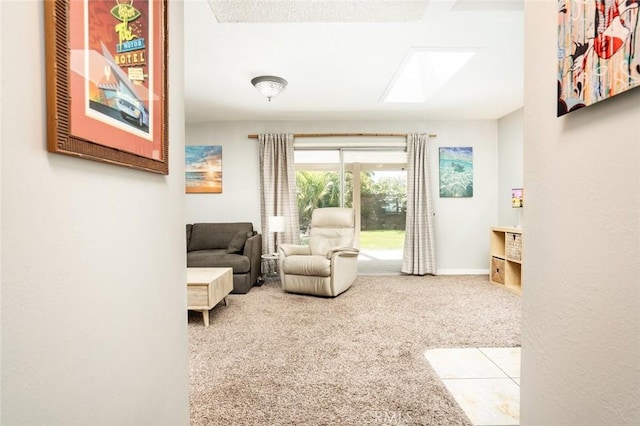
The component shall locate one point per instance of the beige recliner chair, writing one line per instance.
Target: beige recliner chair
(329, 264)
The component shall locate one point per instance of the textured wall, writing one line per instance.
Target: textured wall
(581, 295)
(93, 313)
(511, 137)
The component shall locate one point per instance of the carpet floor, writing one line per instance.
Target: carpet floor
(274, 358)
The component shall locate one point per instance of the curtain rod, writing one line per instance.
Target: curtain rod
(330, 135)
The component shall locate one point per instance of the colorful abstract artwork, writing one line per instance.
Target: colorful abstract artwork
(598, 51)
(203, 166)
(456, 172)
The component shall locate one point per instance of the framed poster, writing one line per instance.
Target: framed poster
(517, 198)
(598, 51)
(203, 168)
(107, 81)
(456, 172)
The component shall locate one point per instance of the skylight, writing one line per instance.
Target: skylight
(423, 71)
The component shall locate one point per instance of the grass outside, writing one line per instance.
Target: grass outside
(382, 240)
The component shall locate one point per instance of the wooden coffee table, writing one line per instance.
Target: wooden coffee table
(206, 287)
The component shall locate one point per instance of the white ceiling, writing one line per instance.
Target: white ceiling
(339, 56)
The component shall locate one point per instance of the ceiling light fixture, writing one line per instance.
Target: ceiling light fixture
(269, 86)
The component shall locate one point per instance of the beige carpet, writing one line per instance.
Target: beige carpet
(273, 358)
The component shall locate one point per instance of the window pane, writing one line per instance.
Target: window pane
(376, 157)
(384, 200)
(317, 160)
(315, 189)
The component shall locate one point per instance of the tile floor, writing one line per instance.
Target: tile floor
(484, 381)
(379, 262)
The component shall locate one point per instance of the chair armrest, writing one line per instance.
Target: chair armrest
(343, 251)
(294, 249)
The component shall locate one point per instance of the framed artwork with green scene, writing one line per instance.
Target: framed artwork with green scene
(456, 172)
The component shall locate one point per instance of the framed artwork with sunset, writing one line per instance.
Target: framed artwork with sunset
(203, 167)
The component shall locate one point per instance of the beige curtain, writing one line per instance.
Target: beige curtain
(418, 257)
(278, 195)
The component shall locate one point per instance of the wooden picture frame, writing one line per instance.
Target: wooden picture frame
(106, 71)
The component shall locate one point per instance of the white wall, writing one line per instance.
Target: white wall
(240, 198)
(462, 224)
(93, 264)
(1, 143)
(581, 293)
(510, 141)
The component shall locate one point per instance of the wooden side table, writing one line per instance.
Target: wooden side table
(206, 287)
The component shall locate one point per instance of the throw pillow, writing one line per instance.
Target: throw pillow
(237, 243)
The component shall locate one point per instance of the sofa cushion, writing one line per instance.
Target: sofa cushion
(218, 259)
(237, 243)
(208, 236)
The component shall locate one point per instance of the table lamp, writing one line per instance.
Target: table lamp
(276, 224)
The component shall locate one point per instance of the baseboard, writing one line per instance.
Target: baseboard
(462, 272)
(439, 272)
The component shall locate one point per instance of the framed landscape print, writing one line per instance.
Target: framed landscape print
(598, 51)
(107, 81)
(203, 166)
(456, 172)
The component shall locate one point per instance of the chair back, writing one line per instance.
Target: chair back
(331, 227)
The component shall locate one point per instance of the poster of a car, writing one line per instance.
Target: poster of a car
(120, 76)
(107, 81)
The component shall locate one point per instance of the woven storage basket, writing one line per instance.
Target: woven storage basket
(497, 270)
(514, 246)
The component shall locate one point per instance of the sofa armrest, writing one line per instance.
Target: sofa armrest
(253, 250)
(251, 244)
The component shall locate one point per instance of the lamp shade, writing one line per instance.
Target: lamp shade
(269, 86)
(276, 223)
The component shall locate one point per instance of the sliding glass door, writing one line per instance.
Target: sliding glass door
(373, 182)
(320, 183)
(380, 198)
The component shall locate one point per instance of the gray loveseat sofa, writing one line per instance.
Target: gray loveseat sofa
(232, 245)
